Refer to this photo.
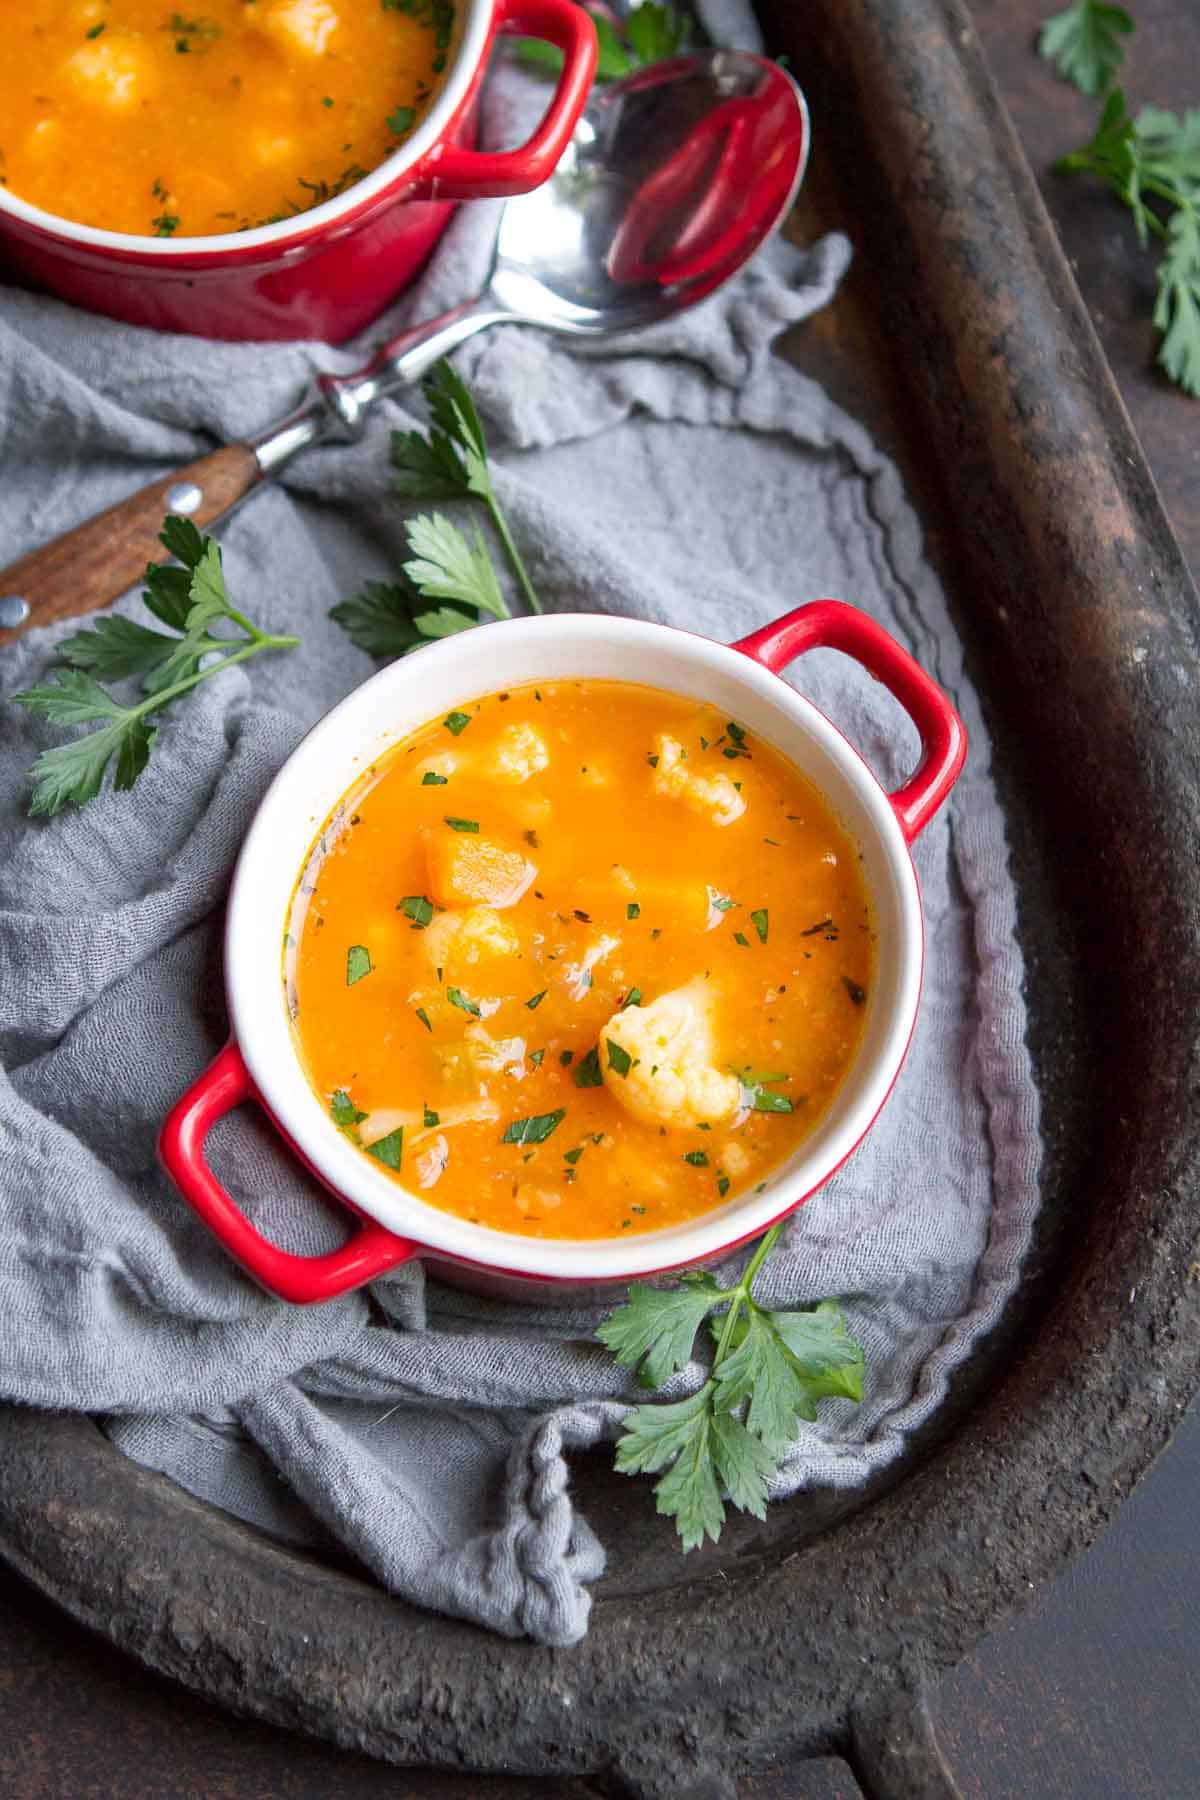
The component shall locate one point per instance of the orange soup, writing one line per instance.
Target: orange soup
(126, 115)
(579, 960)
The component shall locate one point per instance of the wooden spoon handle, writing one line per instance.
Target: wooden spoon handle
(89, 567)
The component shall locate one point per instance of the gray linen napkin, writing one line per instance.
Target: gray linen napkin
(690, 476)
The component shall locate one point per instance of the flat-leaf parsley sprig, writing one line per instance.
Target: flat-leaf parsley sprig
(448, 462)
(1152, 164)
(768, 1369)
(189, 600)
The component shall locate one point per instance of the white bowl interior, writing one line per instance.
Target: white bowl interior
(472, 21)
(430, 683)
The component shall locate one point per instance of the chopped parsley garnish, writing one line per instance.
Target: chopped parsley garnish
(456, 997)
(424, 1018)
(722, 1185)
(697, 1158)
(471, 825)
(166, 224)
(618, 1058)
(456, 722)
(432, 779)
(535, 1000)
(633, 910)
(430, 1118)
(358, 963)
(756, 1087)
(573, 1156)
(720, 902)
(632, 998)
(535, 1058)
(587, 1071)
(759, 920)
(402, 120)
(418, 908)
(343, 1111)
(96, 30)
(564, 1057)
(821, 925)
(387, 1150)
(739, 937)
(856, 993)
(535, 1130)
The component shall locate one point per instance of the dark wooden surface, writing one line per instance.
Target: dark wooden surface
(1094, 1693)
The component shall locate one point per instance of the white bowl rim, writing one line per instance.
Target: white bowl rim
(263, 1031)
(293, 233)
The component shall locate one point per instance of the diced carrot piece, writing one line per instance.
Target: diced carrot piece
(465, 870)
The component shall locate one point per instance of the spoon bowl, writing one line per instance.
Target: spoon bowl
(672, 180)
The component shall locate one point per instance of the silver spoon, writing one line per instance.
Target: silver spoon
(674, 177)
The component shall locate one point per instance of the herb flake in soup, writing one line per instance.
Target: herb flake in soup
(128, 116)
(555, 968)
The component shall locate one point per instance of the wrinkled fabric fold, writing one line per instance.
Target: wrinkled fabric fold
(688, 475)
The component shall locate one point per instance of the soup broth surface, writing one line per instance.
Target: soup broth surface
(580, 960)
(129, 116)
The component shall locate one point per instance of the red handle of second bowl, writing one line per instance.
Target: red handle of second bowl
(832, 625)
(452, 172)
(227, 1083)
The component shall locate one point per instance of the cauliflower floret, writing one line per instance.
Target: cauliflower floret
(520, 752)
(461, 940)
(671, 1079)
(711, 794)
(113, 71)
(305, 24)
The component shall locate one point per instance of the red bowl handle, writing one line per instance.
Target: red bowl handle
(226, 1083)
(452, 172)
(832, 625)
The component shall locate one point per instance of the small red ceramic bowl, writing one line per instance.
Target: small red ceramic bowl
(393, 1224)
(330, 271)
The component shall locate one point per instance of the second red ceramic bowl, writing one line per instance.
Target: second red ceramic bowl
(328, 272)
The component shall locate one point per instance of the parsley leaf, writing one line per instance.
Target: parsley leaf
(586, 1072)
(618, 1057)
(388, 1150)
(1084, 43)
(358, 963)
(383, 618)
(444, 566)
(659, 1325)
(769, 1369)
(535, 1130)
(757, 1094)
(418, 908)
(653, 31)
(343, 1111)
(758, 919)
(456, 997)
(188, 600)
(1177, 307)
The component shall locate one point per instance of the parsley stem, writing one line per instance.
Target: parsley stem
(742, 1292)
(154, 702)
(513, 554)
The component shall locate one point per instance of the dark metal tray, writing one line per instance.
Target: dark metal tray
(961, 341)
